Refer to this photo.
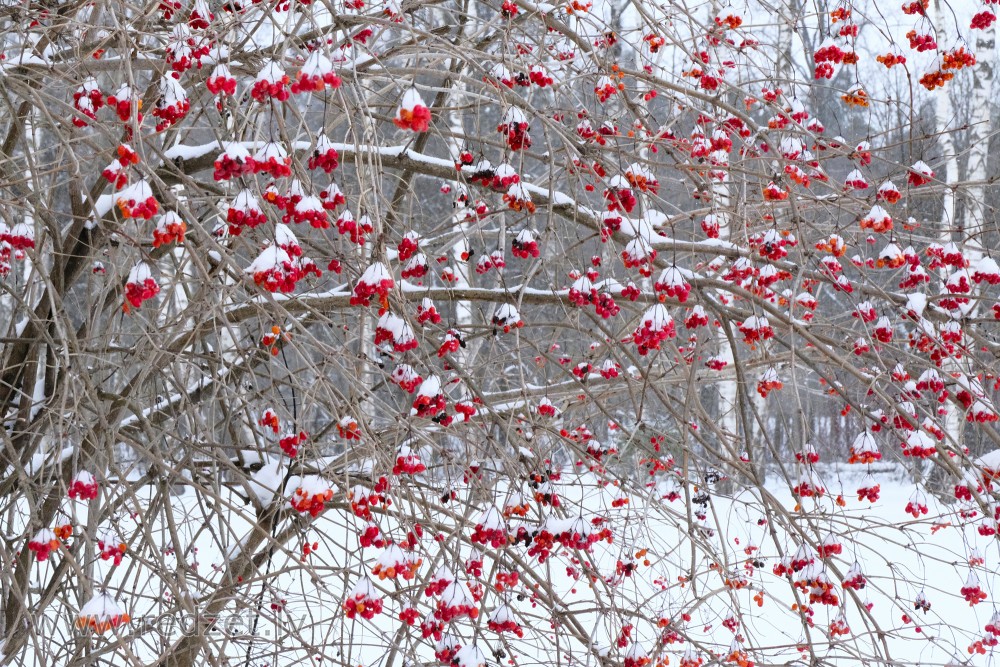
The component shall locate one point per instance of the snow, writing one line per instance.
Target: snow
(312, 485)
(269, 258)
(139, 273)
(898, 565)
(470, 656)
(266, 482)
(392, 556)
(986, 265)
(284, 236)
(411, 100)
(21, 59)
(375, 274)
(173, 399)
(317, 64)
(989, 461)
(506, 315)
(429, 387)
(271, 150)
(84, 477)
(491, 519)
(271, 72)
(45, 458)
(139, 191)
(101, 607)
(171, 91)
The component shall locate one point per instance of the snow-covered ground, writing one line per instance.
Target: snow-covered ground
(901, 558)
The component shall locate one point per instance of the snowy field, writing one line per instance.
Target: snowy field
(903, 560)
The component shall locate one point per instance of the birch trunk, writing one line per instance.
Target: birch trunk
(971, 224)
(944, 116)
(974, 211)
